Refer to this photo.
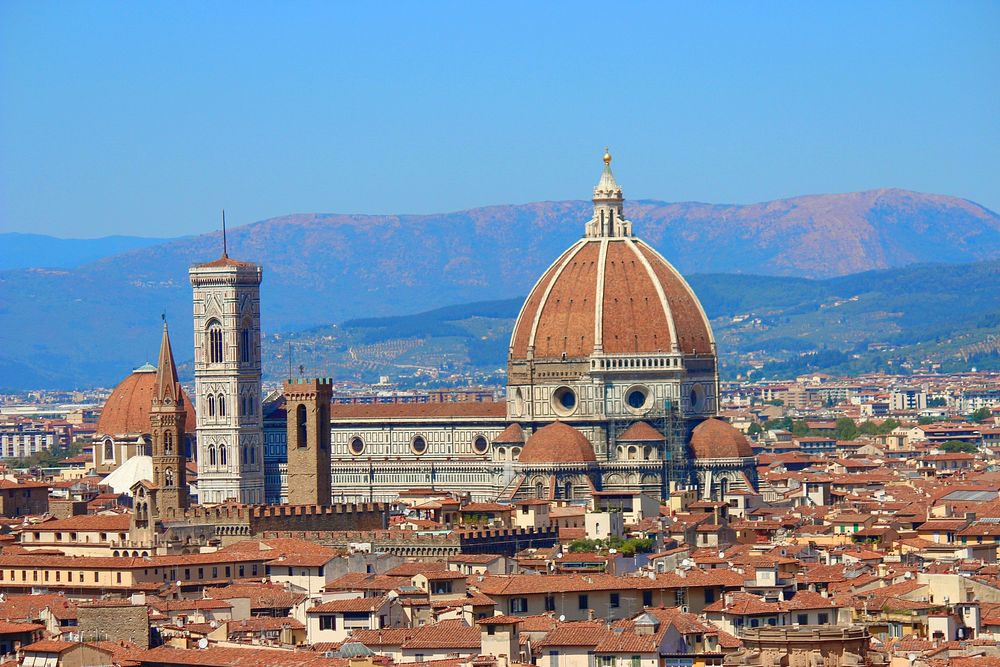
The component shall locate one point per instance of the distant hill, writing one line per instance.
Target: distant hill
(26, 251)
(892, 320)
(90, 324)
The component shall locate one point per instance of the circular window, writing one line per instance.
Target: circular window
(564, 401)
(480, 445)
(637, 397)
(356, 446)
(418, 445)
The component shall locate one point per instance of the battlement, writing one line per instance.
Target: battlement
(506, 541)
(307, 386)
(258, 519)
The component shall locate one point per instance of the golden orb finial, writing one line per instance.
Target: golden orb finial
(607, 156)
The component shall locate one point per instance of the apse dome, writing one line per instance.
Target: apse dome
(557, 443)
(716, 439)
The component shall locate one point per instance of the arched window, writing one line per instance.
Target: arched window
(215, 342)
(723, 487)
(253, 455)
(539, 490)
(245, 345)
(300, 426)
(109, 450)
(223, 455)
(168, 475)
(568, 491)
(211, 455)
(222, 405)
(168, 442)
(211, 405)
(246, 458)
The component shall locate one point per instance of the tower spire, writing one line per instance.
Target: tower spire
(608, 220)
(225, 250)
(167, 386)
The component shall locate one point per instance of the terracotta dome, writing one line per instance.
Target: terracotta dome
(557, 443)
(716, 439)
(127, 409)
(612, 293)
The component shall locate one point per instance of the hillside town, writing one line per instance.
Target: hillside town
(616, 504)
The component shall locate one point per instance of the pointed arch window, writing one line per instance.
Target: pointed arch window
(215, 342)
(211, 455)
(245, 345)
(222, 405)
(168, 475)
(211, 405)
(168, 442)
(223, 455)
(253, 455)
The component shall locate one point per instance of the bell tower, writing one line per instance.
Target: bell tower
(307, 403)
(227, 380)
(166, 422)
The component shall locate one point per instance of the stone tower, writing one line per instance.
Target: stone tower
(307, 403)
(166, 428)
(227, 380)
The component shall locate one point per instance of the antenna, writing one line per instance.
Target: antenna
(225, 250)
(289, 360)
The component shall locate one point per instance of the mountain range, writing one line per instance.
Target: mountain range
(937, 316)
(89, 324)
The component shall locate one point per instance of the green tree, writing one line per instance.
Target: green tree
(923, 421)
(959, 446)
(846, 429)
(982, 414)
(754, 430)
(799, 427)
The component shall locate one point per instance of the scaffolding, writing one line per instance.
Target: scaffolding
(677, 471)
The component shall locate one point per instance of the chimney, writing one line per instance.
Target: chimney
(590, 614)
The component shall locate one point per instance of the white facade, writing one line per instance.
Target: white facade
(227, 381)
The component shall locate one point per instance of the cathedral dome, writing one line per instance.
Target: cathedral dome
(716, 439)
(610, 293)
(127, 409)
(557, 443)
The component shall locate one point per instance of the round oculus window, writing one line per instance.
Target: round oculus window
(636, 397)
(356, 446)
(480, 445)
(564, 401)
(418, 445)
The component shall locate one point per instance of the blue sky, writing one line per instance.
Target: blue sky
(147, 118)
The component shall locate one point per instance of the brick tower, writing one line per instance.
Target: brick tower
(166, 428)
(307, 403)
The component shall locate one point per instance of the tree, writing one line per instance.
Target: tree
(982, 414)
(923, 421)
(846, 429)
(958, 446)
(800, 427)
(937, 402)
(754, 430)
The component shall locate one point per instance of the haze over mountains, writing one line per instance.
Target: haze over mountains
(91, 324)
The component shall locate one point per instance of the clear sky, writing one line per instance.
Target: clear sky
(147, 118)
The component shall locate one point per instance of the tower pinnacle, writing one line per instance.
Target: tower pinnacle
(608, 220)
(167, 386)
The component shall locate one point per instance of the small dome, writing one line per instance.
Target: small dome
(512, 435)
(716, 439)
(127, 409)
(641, 432)
(557, 443)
